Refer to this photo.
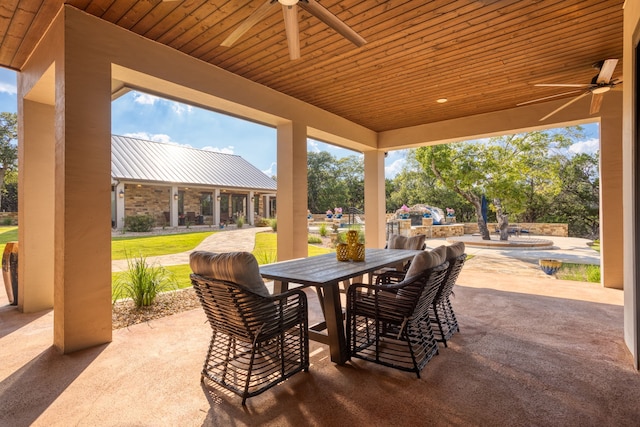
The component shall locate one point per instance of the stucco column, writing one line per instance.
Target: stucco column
(36, 157)
(292, 191)
(374, 199)
(121, 196)
(251, 214)
(173, 212)
(82, 289)
(216, 207)
(611, 203)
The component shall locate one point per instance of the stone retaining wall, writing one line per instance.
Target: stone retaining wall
(541, 229)
(5, 217)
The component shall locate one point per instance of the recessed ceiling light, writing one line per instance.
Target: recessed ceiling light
(441, 100)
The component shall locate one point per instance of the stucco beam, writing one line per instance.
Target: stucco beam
(169, 73)
(516, 120)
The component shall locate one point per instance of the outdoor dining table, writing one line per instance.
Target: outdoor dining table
(325, 272)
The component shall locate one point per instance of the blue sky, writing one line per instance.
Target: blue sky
(148, 117)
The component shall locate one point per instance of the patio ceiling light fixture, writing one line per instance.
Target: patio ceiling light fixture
(441, 100)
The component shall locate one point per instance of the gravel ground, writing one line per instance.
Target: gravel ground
(124, 312)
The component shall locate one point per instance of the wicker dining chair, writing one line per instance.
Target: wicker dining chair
(389, 323)
(258, 340)
(441, 313)
(397, 241)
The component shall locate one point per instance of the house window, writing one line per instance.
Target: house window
(206, 204)
(181, 202)
(238, 205)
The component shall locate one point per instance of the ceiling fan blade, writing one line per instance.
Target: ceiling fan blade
(246, 25)
(596, 102)
(547, 97)
(319, 11)
(291, 27)
(563, 85)
(606, 71)
(562, 107)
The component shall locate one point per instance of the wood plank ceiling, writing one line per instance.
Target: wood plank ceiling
(482, 55)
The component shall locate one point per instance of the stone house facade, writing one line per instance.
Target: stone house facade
(181, 186)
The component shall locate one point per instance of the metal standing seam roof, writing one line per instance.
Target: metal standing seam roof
(141, 160)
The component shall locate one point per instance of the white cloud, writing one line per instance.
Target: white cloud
(145, 99)
(157, 137)
(8, 88)
(226, 150)
(272, 170)
(394, 168)
(313, 146)
(180, 109)
(589, 146)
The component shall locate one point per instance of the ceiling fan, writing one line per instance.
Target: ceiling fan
(600, 84)
(290, 12)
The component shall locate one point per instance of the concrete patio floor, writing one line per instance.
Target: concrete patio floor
(532, 351)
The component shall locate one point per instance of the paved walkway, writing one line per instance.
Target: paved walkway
(227, 240)
(517, 262)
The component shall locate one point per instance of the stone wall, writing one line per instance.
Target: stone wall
(541, 229)
(147, 200)
(5, 217)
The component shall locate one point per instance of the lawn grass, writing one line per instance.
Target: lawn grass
(156, 245)
(579, 272)
(266, 246)
(7, 234)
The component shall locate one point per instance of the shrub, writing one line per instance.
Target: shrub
(263, 222)
(141, 223)
(593, 273)
(274, 224)
(7, 221)
(323, 230)
(142, 282)
(314, 239)
(240, 222)
(266, 256)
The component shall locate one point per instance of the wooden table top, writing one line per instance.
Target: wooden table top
(326, 269)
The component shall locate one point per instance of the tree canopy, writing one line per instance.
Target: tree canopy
(8, 146)
(508, 170)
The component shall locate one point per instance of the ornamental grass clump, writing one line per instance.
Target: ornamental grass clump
(143, 282)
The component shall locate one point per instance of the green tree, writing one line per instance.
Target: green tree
(8, 146)
(334, 182)
(506, 169)
(578, 200)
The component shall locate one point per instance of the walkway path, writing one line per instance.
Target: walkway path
(223, 241)
(517, 262)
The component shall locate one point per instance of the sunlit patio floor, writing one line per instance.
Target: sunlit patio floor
(531, 351)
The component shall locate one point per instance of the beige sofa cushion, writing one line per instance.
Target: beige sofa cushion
(237, 267)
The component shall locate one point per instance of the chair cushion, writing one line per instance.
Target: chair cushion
(424, 261)
(397, 241)
(237, 267)
(455, 250)
(442, 252)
